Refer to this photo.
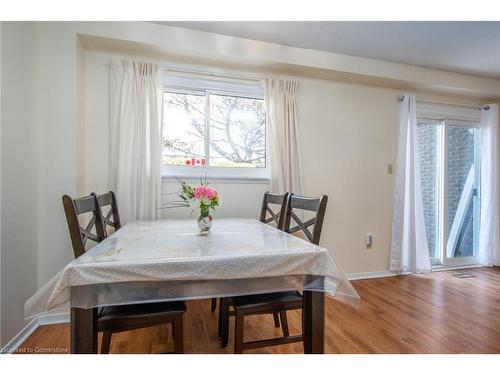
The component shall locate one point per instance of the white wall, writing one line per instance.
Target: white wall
(348, 136)
(57, 143)
(19, 170)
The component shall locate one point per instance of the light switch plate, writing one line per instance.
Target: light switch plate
(369, 240)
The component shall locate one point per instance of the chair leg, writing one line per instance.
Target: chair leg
(238, 332)
(276, 320)
(106, 342)
(304, 339)
(284, 323)
(213, 304)
(224, 320)
(177, 333)
(219, 322)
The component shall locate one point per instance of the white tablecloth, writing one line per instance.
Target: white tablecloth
(239, 256)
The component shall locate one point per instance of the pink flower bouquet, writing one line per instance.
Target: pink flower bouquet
(201, 197)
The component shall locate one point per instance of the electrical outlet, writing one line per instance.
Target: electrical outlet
(389, 168)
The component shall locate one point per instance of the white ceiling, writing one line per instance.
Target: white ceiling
(465, 47)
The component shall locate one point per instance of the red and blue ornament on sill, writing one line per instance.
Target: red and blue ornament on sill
(195, 162)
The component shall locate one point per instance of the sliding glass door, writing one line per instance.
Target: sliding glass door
(462, 200)
(449, 160)
(429, 147)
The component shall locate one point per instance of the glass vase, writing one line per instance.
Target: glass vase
(204, 224)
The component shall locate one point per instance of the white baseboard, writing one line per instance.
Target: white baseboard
(370, 275)
(378, 274)
(42, 320)
(18, 339)
(47, 319)
(451, 268)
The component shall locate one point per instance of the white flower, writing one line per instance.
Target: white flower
(195, 203)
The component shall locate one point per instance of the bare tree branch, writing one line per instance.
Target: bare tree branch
(237, 127)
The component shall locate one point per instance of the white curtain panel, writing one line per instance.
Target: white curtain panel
(409, 250)
(135, 149)
(281, 99)
(489, 237)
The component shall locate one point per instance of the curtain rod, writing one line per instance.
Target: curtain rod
(211, 74)
(485, 107)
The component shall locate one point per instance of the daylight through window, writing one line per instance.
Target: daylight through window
(214, 128)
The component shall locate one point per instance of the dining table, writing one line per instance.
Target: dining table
(168, 260)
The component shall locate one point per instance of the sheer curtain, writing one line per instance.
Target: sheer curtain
(489, 235)
(409, 250)
(281, 99)
(135, 150)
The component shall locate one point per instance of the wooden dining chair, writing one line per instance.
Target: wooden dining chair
(279, 200)
(267, 216)
(276, 219)
(311, 204)
(93, 231)
(280, 302)
(112, 218)
(114, 319)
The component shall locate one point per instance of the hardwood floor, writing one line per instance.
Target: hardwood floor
(435, 313)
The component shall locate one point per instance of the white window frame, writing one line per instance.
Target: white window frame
(445, 116)
(208, 86)
(437, 261)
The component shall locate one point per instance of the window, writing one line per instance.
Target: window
(449, 160)
(213, 128)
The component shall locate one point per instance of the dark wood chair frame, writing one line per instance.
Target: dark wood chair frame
(277, 199)
(144, 315)
(318, 206)
(79, 235)
(112, 218)
(312, 204)
(278, 219)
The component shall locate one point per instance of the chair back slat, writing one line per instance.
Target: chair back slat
(312, 204)
(112, 217)
(105, 199)
(275, 217)
(73, 208)
(84, 205)
(305, 203)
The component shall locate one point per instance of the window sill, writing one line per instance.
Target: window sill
(220, 179)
